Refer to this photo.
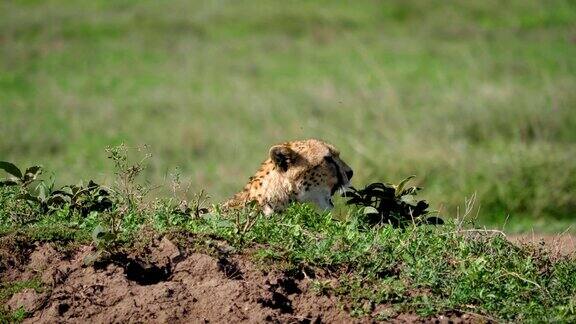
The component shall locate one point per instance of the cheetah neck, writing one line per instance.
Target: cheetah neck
(269, 187)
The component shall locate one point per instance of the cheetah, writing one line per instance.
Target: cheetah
(297, 171)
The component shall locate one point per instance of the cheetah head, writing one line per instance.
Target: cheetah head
(312, 169)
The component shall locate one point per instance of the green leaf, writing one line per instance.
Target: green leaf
(98, 233)
(422, 206)
(410, 191)
(370, 210)
(379, 189)
(56, 199)
(66, 190)
(410, 200)
(402, 183)
(11, 169)
(42, 193)
(28, 197)
(75, 189)
(354, 201)
(92, 184)
(7, 183)
(32, 173)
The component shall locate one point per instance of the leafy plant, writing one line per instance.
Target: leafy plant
(79, 198)
(387, 203)
(21, 206)
(130, 192)
(245, 219)
(17, 177)
(83, 199)
(195, 207)
(104, 240)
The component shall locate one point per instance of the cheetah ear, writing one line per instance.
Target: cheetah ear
(282, 156)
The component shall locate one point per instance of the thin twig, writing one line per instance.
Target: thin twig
(477, 230)
(514, 274)
(479, 315)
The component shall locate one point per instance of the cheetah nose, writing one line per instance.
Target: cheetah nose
(349, 174)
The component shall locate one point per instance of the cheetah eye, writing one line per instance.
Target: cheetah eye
(330, 160)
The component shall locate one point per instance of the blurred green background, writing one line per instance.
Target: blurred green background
(473, 97)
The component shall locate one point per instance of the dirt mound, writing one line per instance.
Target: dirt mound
(166, 285)
(162, 283)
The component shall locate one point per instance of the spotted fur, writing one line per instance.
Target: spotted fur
(305, 171)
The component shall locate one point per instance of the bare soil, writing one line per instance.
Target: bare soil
(166, 284)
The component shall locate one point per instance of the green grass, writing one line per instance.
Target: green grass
(471, 97)
(427, 270)
(10, 288)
